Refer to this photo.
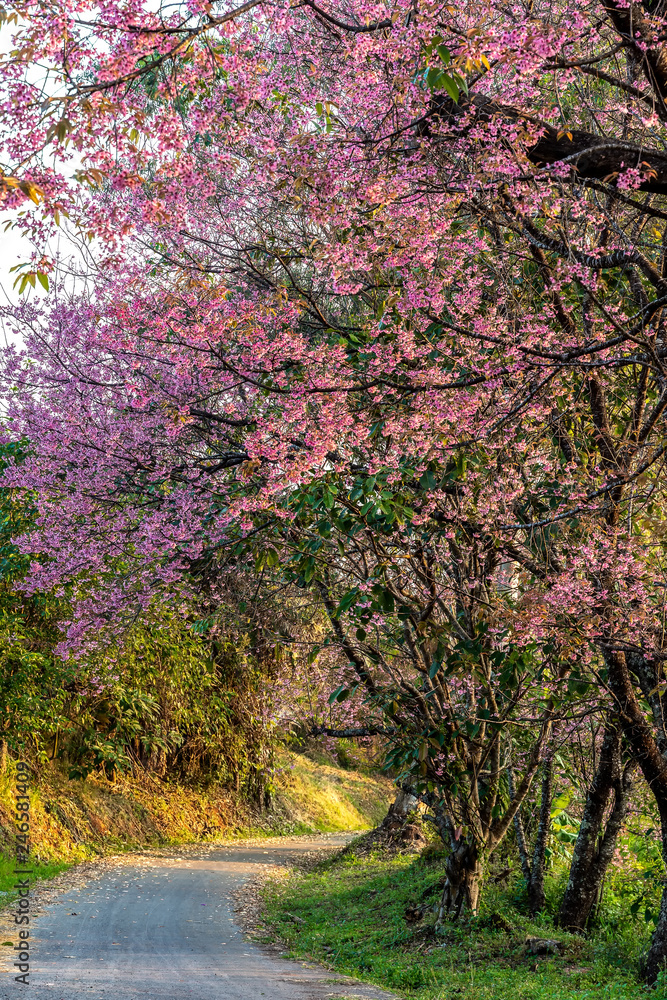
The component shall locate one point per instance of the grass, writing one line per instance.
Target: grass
(76, 820)
(40, 870)
(350, 914)
(316, 796)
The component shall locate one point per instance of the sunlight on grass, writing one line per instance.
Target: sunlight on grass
(350, 914)
(41, 870)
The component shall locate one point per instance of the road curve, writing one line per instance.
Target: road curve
(162, 927)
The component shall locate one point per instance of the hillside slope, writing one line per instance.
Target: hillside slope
(73, 820)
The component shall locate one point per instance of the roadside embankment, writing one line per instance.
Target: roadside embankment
(72, 820)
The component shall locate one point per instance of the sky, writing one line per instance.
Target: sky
(14, 248)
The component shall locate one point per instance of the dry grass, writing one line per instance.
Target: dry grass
(76, 820)
(319, 797)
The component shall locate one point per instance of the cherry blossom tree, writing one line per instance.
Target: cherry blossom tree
(362, 244)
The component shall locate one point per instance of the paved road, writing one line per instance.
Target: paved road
(163, 928)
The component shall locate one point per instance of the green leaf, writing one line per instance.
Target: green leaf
(560, 804)
(384, 598)
(341, 693)
(444, 54)
(427, 480)
(334, 694)
(347, 600)
(434, 78)
(450, 86)
(309, 569)
(460, 82)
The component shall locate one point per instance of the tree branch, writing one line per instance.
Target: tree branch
(351, 732)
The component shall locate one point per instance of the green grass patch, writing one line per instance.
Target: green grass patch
(350, 914)
(40, 870)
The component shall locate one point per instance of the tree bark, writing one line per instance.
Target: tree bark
(593, 854)
(594, 157)
(404, 803)
(533, 869)
(519, 830)
(647, 754)
(656, 960)
(632, 23)
(464, 881)
(536, 896)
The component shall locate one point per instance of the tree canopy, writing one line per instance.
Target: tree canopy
(374, 306)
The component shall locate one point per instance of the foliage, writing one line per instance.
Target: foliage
(169, 701)
(634, 886)
(75, 820)
(33, 684)
(352, 915)
(376, 312)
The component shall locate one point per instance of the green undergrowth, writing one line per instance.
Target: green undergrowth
(350, 913)
(38, 870)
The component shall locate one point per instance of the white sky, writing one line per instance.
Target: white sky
(14, 249)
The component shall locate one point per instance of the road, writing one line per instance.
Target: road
(162, 927)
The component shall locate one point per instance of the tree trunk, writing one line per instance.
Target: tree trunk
(656, 960)
(397, 827)
(398, 811)
(533, 870)
(519, 830)
(536, 897)
(646, 751)
(464, 881)
(592, 855)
